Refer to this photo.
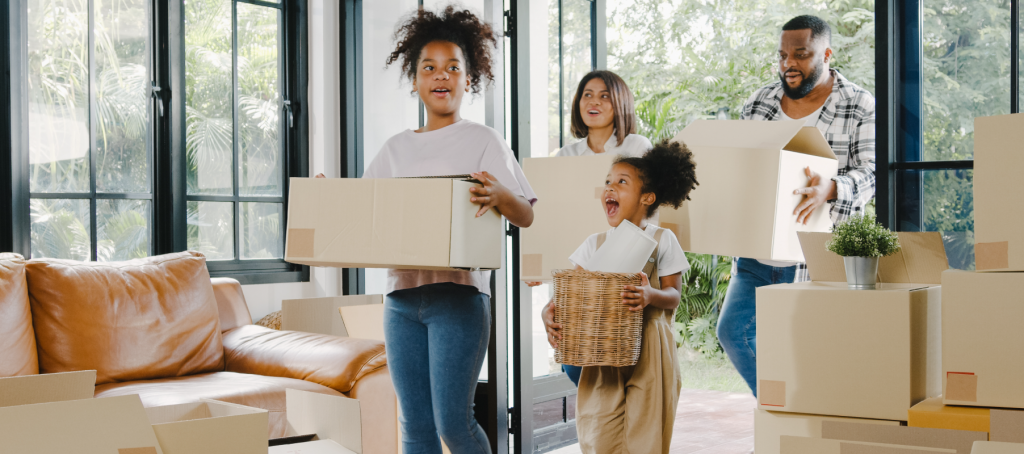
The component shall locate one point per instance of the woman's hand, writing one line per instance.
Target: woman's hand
(553, 329)
(491, 195)
(532, 283)
(319, 175)
(638, 297)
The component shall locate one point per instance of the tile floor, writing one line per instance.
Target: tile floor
(708, 422)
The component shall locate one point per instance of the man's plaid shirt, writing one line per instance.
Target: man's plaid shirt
(848, 122)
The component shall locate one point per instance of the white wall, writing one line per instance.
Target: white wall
(324, 150)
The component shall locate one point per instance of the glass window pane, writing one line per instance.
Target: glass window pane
(211, 229)
(261, 230)
(941, 201)
(543, 355)
(60, 228)
(122, 96)
(259, 101)
(966, 72)
(209, 128)
(122, 229)
(58, 95)
(577, 60)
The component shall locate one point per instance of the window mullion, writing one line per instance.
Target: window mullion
(93, 117)
(236, 205)
(1014, 56)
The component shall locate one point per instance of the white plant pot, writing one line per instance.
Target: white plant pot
(861, 272)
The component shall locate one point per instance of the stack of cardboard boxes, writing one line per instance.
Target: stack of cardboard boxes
(895, 370)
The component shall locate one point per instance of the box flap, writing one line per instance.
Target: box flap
(921, 259)
(959, 440)
(40, 389)
(320, 315)
(809, 140)
(311, 447)
(757, 135)
(364, 322)
(109, 425)
(996, 447)
(329, 417)
(210, 427)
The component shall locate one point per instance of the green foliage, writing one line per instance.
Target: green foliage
(704, 286)
(861, 236)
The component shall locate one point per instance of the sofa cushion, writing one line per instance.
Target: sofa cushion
(257, 391)
(136, 320)
(17, 339)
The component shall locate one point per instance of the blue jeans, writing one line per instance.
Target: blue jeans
(436, 339)
(737, 325)
(573, 372)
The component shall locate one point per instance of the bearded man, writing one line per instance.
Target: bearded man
(810, 91)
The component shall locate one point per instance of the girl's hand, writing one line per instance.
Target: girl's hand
(533, 283)
(638, 297)
(319, 175)
(489, 196)
(553, 329)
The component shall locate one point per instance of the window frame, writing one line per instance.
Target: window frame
(168, 232)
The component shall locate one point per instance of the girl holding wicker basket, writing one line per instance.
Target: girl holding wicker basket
(632, 409)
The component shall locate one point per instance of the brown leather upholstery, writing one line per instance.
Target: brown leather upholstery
(141, 319)
(335, 362)
(256, 391)
(17, 339)
(230, 303)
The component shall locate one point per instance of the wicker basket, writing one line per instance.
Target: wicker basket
(597, 328)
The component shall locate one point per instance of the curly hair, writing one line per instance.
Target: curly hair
(459, 27)
(668, 171)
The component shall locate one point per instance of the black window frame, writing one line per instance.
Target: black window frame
(169, 198)
(900, 110)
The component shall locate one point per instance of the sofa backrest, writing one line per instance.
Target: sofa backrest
(231, 304)
(142, 319)
(17, 339)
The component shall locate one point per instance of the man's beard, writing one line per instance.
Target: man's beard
(806, 85)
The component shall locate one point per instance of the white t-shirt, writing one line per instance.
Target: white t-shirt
(810, 120)
(632, 145)
(671, 259)
(461, 148)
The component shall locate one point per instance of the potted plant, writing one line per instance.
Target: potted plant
(861, 241)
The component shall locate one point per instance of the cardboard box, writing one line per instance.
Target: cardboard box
(994, 447)
(399, 223)
(333, 418)
(570, 208)
(312, 447)
(770, 426)
(827, 350)
(958, 440)
(45, 388)
(210, 427)
(748, 171)
(931, 413)
(982, 339)
(807, 445)
(111, 425)
(364, 322)
(999, 240)
(320, 315)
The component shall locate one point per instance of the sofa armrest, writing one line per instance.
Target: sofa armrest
(335, 362)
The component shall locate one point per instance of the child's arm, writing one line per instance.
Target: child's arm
(643, 295)
(548, 316)
(516, 209)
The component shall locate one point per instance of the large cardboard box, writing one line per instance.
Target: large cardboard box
(999, 240)
(210, 427)
(320, 315)
(982, 339)
(958, 440)
(312, 447)
(111, 425)
(770, 426)
(400, 223)
(824, 349)
(808, 445)
(995, 447)
(332, 418)
(1001, 424)
(569, 209)
(748, 171)
(45, 388)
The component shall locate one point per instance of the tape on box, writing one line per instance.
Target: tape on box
(992, 256)
(962, 386)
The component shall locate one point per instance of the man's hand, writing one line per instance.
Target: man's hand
(553, 329)
(319, 175)
(489, 196)
(815, 195)
(638, 297)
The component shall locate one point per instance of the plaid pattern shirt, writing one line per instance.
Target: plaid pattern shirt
(848, 122)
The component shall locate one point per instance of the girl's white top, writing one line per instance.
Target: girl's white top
(671, 259)
(632, 145)
(461, 148)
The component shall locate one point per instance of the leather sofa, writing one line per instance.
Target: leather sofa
(161, 328)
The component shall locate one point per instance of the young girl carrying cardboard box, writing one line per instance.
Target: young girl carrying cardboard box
(632, 409)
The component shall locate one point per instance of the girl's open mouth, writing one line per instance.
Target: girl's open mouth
(611, 207)
(440, 92)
